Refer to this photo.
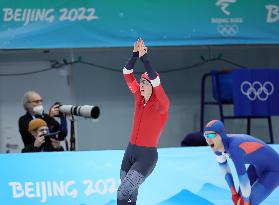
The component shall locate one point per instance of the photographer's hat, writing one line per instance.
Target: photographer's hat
(35, 124)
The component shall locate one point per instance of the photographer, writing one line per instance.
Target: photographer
(42, 142)
(32, 103)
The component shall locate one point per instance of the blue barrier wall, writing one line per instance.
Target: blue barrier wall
(182, 175)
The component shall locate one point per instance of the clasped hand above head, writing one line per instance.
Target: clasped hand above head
(140, 47)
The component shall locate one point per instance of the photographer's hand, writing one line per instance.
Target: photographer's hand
(54, 110)
(39, 141)
(55, 143)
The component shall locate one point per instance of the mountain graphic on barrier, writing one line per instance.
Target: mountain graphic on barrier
(211, 191)
(215, 194)
(186, 197)
(208, 191)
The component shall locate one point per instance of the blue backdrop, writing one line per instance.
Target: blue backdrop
(110, 23)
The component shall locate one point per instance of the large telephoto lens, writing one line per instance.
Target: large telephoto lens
(87, 111)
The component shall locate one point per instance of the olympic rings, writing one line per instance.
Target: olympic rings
(228, 30)
(256, 90)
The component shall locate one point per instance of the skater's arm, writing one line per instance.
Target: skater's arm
(244, 182)
(163, 99)
(226, 171)
(128, 72)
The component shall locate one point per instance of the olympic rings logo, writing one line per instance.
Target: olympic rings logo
(256, 90)
(228, 30)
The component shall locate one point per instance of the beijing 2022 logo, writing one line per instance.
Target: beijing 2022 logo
(257, 90)
(224, 4)
(227, 26)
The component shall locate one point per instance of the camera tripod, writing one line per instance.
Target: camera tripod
(73, 135)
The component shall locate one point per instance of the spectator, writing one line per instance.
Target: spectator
(38, 129)
(32, 103)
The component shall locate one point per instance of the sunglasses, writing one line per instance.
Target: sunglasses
(209, 135)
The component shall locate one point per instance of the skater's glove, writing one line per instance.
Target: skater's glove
(235, 198)
(242, 202)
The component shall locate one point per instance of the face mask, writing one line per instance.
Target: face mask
(39, 110)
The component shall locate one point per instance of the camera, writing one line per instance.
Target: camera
(87, 111)
(53, 135)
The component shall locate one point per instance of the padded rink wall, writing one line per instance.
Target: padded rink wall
(182, 176)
